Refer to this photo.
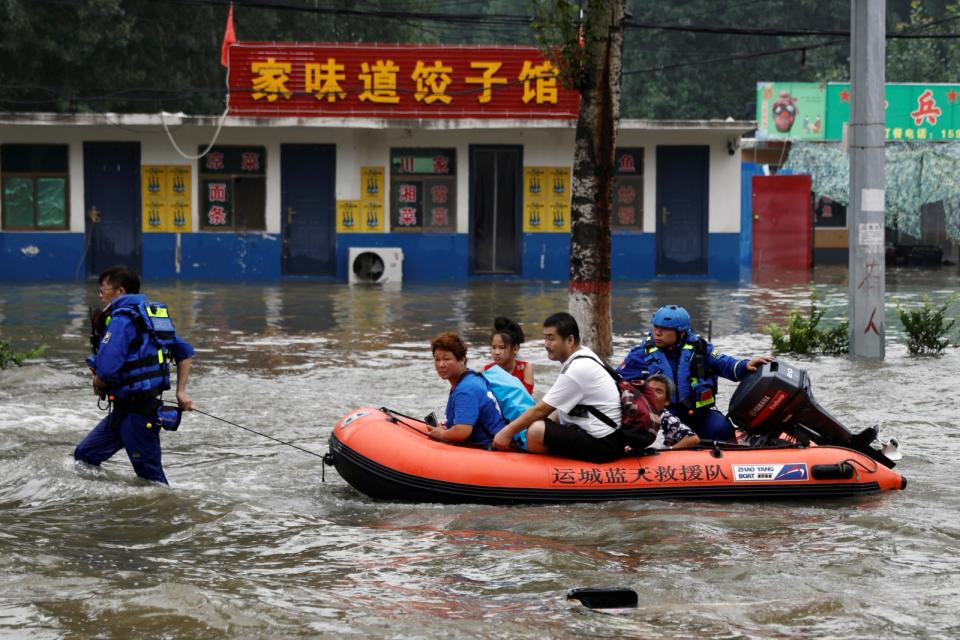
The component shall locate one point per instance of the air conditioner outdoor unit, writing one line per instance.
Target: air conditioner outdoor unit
(376, 265)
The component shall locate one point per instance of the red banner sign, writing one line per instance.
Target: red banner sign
(395, 81)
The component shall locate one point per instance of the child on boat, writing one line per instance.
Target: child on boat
(504, 345)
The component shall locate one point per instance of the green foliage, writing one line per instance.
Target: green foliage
(558, 30)
(927, 328)
(802, 335)
(556, 27)
(927, 60)
(8, 356)
(134, 56)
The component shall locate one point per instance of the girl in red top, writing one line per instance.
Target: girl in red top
(505, 343)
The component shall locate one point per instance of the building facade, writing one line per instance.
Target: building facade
(284, 188)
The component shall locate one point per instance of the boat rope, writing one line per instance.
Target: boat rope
(863, 466)
(262, 435)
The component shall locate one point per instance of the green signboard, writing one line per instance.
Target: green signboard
(914, 112)
(791, 110)
(814, 111)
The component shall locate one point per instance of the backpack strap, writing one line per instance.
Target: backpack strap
(596, 413)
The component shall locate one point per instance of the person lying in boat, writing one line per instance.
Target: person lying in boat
(472, 414)
(573, 432)
(673, 433)
(672, 348)
(504, 346)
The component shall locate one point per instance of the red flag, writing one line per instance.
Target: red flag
(229, 37)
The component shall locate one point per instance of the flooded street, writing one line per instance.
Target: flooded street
(250, 543)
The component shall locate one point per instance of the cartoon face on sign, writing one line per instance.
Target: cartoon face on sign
(785, 112)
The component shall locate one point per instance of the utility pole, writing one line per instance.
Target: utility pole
(867, 276)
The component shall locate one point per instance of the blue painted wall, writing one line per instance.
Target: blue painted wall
(212, 256)
(633, 256)
(546, 256)
(26, 256)
(442, 257)
(427, 257)
(724, 261)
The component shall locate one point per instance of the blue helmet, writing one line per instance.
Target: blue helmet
(672, 316)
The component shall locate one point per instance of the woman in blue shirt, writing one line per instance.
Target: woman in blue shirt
(473, 416)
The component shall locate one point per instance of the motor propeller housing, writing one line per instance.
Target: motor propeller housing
(777, 399)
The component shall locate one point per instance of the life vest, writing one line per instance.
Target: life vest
(694, 389)
(146, 370)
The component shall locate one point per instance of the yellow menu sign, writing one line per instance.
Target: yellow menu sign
(546, 199)
(366, 214)
(166, 197)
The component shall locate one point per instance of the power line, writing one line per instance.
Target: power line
(494, 20)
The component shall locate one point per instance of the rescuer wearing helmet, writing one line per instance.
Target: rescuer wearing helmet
(672, 348)
(134, 342)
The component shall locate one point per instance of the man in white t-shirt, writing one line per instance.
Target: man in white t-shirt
(575, 432)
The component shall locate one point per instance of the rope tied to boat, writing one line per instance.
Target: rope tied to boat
(323, 456)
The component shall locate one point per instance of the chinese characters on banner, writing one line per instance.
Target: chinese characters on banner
(166, 198)
(397, 81)
(912, 112)
(220, 169)
(637, 476)
(366, 214)
(546, 199)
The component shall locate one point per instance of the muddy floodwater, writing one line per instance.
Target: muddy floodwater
(250, 542)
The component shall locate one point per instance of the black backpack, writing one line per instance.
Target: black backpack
(640, 422)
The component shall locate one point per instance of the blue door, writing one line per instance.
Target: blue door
(111, 186)
(308, 207)
(682, 193)
(496, 189)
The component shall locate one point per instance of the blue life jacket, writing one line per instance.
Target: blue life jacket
(692, 392)
(146, 370)
(510, 393)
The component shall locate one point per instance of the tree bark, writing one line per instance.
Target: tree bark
(592, 181)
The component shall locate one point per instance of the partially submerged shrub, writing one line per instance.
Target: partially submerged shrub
(8, 356)
(927, 328)
(802, 335)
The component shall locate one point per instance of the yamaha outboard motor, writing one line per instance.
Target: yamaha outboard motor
(777, 399)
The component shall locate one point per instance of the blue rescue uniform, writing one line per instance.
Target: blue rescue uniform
(471, 402)
(694, 397)
(134, 364)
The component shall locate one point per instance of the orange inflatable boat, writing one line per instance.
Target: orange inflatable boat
(388, 456)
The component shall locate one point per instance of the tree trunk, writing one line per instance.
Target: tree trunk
(592, 181)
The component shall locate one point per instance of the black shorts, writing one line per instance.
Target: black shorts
(570, 441)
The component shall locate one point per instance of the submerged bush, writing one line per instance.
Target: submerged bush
(802, 335)
(8, 356)
(927, 328)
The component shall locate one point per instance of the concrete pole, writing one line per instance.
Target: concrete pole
(866, 214)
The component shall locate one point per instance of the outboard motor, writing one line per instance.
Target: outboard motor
(777, 399)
